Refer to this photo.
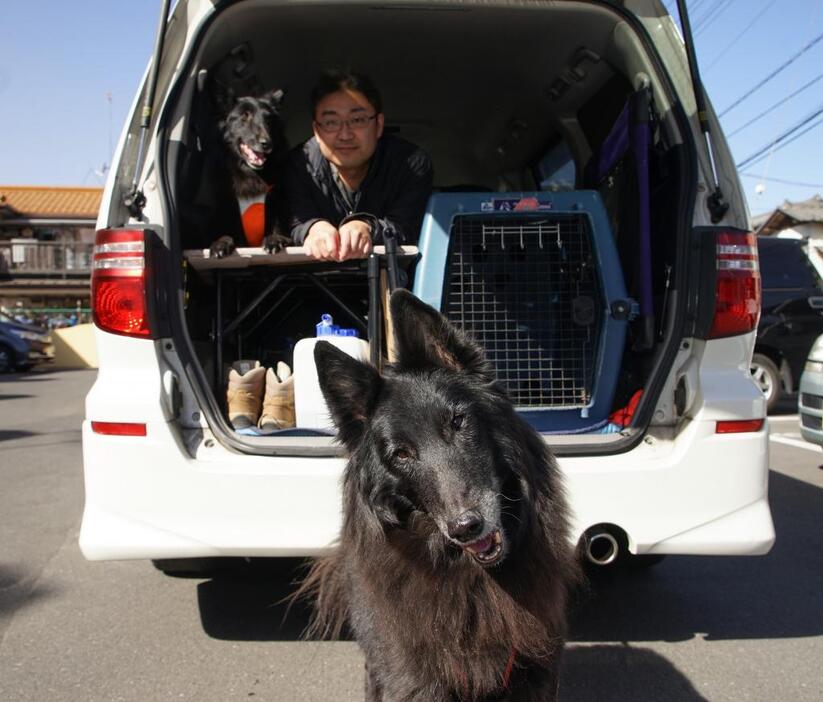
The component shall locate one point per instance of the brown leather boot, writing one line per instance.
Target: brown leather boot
(245, 396)
(278, 401)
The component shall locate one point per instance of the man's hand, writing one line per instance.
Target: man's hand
(322, 241)
(355, 240)
(352, 240)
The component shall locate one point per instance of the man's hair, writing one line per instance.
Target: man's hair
(337, 79)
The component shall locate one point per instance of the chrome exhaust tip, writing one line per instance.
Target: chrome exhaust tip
(602, 548)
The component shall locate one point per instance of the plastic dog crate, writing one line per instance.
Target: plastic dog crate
(536, 279)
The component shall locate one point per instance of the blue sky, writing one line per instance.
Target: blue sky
(69, 71)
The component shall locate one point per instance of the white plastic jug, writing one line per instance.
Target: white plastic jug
(309, 405)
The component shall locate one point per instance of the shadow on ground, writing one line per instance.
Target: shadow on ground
(785, 405)
(20, 588)
(246, 600)
(9, 434)
(622, 673)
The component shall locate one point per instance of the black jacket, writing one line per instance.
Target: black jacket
(393, 194)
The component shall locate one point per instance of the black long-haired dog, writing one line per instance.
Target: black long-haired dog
(255, 146)
(454, 562)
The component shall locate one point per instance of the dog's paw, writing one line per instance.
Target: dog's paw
(276, 242)
(222, 247)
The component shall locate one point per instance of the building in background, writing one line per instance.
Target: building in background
(793, 220)
(46, 240)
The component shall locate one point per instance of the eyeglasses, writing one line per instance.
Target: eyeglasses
(334, 124)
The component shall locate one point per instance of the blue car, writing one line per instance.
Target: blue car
(22, 345)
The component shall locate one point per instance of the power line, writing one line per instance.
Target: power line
(697, 5)
(797, 136)
(781, 140)
(773, 74)
(810, 28)
(741, 34)
(693, 14)
(781, 180)
(712, 15)
(777, 103)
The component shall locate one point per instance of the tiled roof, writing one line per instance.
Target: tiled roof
(790, 213)
(36, 202)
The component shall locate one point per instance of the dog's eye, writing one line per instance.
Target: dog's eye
(401, 454)
(457, 421)
(246, 116)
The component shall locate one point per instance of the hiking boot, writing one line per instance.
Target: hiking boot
(245, 396)
(278, 401)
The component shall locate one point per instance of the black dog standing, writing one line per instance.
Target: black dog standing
(454, 564)
(255, 146)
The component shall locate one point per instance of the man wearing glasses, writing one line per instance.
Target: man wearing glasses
(350, 185)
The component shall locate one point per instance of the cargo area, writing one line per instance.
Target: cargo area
(554, 233)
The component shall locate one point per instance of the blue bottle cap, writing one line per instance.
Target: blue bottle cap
(325, 326)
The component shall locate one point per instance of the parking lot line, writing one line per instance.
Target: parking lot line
(799, 443)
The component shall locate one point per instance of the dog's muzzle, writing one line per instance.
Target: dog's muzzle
(487, 551)
(254, 159)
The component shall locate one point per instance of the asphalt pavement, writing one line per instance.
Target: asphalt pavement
(687, 629)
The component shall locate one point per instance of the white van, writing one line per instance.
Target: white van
(584, 225)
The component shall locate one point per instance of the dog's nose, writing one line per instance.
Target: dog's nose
(264, 143)
(467, 527)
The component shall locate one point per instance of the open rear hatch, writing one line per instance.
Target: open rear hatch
(556, 231)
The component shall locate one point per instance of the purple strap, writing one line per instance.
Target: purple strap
(640, 147)
(614, 147)
(631, 131)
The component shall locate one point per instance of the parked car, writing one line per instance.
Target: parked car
(810, 397)
(791, 316)
(22, 345)
(576, 229)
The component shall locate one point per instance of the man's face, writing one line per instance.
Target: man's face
(350, 146)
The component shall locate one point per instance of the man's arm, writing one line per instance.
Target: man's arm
(298, 186)
(404, 214)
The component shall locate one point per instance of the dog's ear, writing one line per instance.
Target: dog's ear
(425, 339)
(224, 99)
(274, 98)
(350, 388)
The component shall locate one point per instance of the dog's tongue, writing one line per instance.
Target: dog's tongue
(254, 158)
(481, 546)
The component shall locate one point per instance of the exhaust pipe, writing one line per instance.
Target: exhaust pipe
(602, 548)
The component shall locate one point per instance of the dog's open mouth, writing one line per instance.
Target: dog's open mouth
(255, 159)
(488, 550)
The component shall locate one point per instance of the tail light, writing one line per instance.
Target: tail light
(119, 428)
(737, 288)
(118, 283)
(738, 426)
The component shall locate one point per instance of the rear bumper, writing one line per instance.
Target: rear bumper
(698, 493)
(689, 491)
(146, 499)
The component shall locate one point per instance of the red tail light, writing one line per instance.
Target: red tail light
(118, 282)
(737, 292)
(119, 428)
(738, 426)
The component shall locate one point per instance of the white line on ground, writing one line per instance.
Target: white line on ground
(784, 418)
(798, 443)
